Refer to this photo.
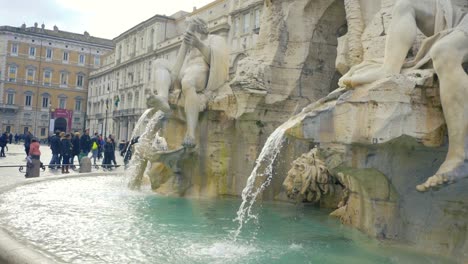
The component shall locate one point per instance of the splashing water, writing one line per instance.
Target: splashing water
(265, 160)
(137, 127)
(145, 143)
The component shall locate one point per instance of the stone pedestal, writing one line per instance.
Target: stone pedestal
(85, 165)
(32, 169)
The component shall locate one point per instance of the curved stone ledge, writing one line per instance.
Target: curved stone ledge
(13, 251)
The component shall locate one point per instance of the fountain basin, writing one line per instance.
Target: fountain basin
(98, 220)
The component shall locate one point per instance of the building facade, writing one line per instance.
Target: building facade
(118, 90)
(44, 78)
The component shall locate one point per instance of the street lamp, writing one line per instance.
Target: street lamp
(105, 120)
(51, 111)
(107, 109)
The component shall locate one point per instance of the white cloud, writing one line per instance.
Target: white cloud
(101, 18)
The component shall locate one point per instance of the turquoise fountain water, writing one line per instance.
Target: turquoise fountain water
(98, 220)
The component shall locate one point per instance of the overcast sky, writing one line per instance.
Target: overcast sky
(101, 18)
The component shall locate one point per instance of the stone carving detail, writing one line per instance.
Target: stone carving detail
(201, 68)
(309, 178)
(447, 47)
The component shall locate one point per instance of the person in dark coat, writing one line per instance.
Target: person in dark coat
(27, 142)
(55, 147)
(112, 157)
(16, 138)
(10, 137)
(85, 143)
(76, 149)
(108, 151)
(66, 152)
(3, 143)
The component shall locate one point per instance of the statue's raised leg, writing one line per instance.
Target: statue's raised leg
(448, 56)
(401, 36)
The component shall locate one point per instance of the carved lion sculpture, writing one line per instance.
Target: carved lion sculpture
(308, 179)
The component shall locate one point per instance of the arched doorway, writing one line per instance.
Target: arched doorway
(60, 124)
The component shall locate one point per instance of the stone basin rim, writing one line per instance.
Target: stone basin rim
(13, 251)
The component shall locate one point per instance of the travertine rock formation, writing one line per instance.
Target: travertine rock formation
(391, 134)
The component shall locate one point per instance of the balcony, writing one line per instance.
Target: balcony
(9, 108)
(128, 112)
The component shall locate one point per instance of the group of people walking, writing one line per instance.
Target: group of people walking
(65, 147)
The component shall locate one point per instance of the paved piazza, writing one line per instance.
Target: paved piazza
(16, 156)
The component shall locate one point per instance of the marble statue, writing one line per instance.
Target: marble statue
(201, 68)
(308, 179)
(447, 47)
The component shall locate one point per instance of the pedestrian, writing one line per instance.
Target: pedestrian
(101, 147)
(10, 137)
(55, 147)
(108, 150)
(27, 142)
(112, 157)
(85, 143)
(66, 152)
(3, 143)
(95, 147)
(61, 136)
(34, 151)
(16, 138)
(76, 149)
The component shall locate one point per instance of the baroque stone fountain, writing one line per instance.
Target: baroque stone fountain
(368, 98)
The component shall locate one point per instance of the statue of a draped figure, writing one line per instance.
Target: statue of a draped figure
(446, 28)
(202, 67)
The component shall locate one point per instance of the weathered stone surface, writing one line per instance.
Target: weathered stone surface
(85, 165)
(377, 113)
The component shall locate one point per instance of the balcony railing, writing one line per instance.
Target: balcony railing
(127, 112)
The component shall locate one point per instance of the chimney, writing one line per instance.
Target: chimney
(86, 34)
(194, 9)
(56, 28)
(23, 26)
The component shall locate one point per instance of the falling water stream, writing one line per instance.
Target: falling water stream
(263, 168)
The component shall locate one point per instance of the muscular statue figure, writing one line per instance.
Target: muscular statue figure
(447, 46)
(201, 68)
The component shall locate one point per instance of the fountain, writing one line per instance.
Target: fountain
(355, 154)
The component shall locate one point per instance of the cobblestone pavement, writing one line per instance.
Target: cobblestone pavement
(17, 156)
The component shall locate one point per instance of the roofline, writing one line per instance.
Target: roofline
(39, 34)
(140, 24)
(203, 8)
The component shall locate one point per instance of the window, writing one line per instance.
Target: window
(236, 26)
(30, 76)
(28, 100)
(76, 120)
(48, 54)
(10, 98)
(14, 49)
(81, 59)
(12, 73)
(45, 101)
(65, 56)
(257, 19)
(43, 131)
(78, 105)
(246, 23)
(63, 79)
(62, 103)
(47, 77)
(97, 60)
(32, 51)
(79, 80)
(8, 129)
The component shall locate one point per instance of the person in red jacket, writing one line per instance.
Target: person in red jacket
(34, 151)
